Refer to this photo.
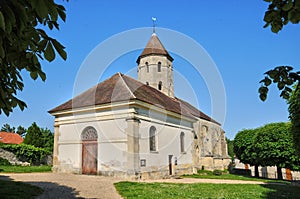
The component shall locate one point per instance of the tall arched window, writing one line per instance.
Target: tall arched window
(147, 67)
(159, 67)
(159, 85)
(182, 142)
(152, 138)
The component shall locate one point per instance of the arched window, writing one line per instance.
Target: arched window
(89, 133)
(152, 138)
(182, 142)
(159, 85)
(147, 67)
(159, 67)
(147, 83)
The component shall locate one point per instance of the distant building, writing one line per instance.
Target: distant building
(10, 138)
(137, 128)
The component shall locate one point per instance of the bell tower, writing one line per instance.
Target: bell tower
(155, 66)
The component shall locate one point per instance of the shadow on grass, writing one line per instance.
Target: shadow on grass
(279, 190)
(13, 189)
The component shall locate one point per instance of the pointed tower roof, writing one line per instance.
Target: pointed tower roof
(154, 47)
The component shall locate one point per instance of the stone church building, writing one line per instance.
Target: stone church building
(137, 128)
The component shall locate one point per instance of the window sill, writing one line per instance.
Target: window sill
(183, 152)
(156, 152)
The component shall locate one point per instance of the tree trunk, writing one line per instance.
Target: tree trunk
(279, 173)
(256, 171)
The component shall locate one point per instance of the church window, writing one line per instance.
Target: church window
(147, 67)
(159, 66)
(159, 85)
(182, 142)
(152, 139)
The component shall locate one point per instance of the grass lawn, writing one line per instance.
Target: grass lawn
(226, 176)
(24, 169)
(192, 191)
(11, 189)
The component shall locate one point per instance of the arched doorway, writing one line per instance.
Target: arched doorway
(89, 150)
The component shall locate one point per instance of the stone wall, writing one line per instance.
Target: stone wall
(12, 158)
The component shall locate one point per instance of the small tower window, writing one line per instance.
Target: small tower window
(159, 66)
(147, 83)
(147, 67)
(159, 85)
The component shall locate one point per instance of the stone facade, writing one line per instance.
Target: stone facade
(138, 138)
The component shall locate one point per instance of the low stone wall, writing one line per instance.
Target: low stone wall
(12, 158)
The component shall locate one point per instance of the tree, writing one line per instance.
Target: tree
(34, 136)
(39, 137)
(294, 110)
(7, 128)
(244, 148)
(275, 145)
(230, 148)
(21, 131)
(23, 44)
(279, 14)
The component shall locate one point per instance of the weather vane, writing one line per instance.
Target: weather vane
(153, 20)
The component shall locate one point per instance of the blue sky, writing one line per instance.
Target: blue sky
(231, 32)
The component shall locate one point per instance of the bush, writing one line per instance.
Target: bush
(4, 162)
(27, 152)
(217, 172)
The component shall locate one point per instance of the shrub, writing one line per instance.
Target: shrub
(217, 172)
(27, 152)
(4, 162)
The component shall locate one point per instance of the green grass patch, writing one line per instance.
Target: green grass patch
(24, 169)
(227, 176)
(11, 189)
(192, 191)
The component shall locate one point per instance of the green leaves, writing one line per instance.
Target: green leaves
(49, 52)
(280, 13)
(269, 145)
(283, 76)
(19, 20)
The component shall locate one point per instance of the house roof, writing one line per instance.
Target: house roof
(120, 87)
(154, 47)
(10, 138)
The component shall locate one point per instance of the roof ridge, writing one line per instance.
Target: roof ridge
(121, 76)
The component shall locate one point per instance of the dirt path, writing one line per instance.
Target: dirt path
(84, 186)
(69, 185)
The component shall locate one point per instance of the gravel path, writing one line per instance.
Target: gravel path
(85, 186)
(69, 185)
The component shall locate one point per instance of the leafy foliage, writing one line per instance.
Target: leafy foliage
(270, 145)
(4, 162)
(26, 152)
(294, 110)
(23, 44)
(230, 148)
(243, 146)
(20, 129)
(39, 137)
(284, 77)
(275, 143)
(281, 12)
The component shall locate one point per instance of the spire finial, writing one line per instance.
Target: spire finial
(153, 20)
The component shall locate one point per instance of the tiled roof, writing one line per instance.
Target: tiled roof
(154, 47)
(120, 87)
(10, 138)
